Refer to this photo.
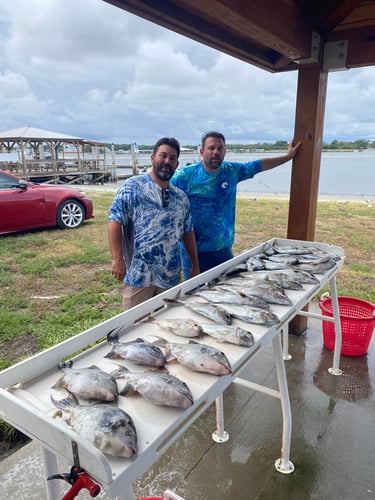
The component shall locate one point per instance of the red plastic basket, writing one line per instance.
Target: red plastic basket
(357, 324)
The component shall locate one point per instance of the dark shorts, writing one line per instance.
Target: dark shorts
(207, 260)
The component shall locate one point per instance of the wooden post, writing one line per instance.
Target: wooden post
(310, 108)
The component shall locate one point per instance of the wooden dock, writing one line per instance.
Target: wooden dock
(91, 171)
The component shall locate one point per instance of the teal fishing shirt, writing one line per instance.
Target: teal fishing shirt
(151, 232)
(212, 199)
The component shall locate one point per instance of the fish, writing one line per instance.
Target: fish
(228, 296)
(266, 291)
(298, 275)
(255, 264)
(232, 334)
(251, 300)
(89, 383)
(270, 294)
(158, 388)
(137, 351)
(279, 278)
(197, 357)
(182, 327)
(239, 268)
(283, 258)
(252, 315)
(317, 268)
(104, 425)
(293, 249)
(212, 311)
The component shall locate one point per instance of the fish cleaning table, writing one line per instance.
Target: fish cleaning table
(25, 388)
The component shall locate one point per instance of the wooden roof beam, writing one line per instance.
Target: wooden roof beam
(240, 29)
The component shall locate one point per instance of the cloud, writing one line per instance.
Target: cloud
(89, 69)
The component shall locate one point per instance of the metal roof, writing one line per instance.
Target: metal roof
(31, 133)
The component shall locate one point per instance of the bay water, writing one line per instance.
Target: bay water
(341, 173)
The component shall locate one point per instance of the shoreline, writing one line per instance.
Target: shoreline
(255, 195)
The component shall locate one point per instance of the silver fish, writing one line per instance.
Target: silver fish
(138, 351)
(284, 258)
(269, 265)
(267, 291)
(276, 277)
(182, 327)
(227, 296)
(251, 300)
(211, 311)
(239, 268)
(293, 249)
(254, 264)
(252, 315)
(229, 333)
(317, 268)
(297, 275)
(198, 357)
(270, 294)
(87, 383)
(105, 425)
(158, 388)
(268, 249)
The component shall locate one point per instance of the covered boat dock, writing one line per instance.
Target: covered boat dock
(45, 156)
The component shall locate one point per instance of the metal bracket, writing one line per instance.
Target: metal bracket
(334, 57)
(315, 50)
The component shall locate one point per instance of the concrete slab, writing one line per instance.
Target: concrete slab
(332, 448)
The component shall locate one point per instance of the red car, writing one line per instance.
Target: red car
(26, 205)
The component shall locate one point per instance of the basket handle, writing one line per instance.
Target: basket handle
(324, 295)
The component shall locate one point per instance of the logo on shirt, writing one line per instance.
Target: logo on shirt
(224, 185)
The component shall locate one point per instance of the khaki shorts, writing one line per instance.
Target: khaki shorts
(134, 295)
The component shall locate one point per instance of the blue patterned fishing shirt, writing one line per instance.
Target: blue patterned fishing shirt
(154, 232)
(212, 199)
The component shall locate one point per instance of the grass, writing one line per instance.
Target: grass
(55, 284)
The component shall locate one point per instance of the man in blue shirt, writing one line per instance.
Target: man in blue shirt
(148, 219)
(211, 187)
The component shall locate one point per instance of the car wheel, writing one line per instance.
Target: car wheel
(70, 215)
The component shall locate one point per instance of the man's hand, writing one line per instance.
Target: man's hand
(293, 148)
(118, 269)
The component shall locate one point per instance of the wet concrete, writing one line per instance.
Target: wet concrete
(332, 449)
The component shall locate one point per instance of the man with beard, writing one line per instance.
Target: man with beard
(148, 219)
(211, 186)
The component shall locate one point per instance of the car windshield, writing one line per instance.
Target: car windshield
(7, 182)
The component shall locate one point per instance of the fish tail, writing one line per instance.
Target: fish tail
(113, 335)
(63, 399)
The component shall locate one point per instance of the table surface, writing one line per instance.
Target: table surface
(157, 426)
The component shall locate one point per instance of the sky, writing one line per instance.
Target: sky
(88, 69)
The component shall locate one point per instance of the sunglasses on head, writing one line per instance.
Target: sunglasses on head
(165, 197)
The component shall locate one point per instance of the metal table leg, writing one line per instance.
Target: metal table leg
(220, 436)
(335, 370)
(283, 464)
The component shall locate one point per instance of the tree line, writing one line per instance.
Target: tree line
(359, 144)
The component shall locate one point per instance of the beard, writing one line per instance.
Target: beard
(163, 172)
(214, 164)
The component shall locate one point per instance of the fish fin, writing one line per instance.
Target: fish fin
(119, 372)
(127, 390)
(65, 364)
(172, 302)
(110, 355)
(155, 340)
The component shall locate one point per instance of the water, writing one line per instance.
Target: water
(351, 174)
